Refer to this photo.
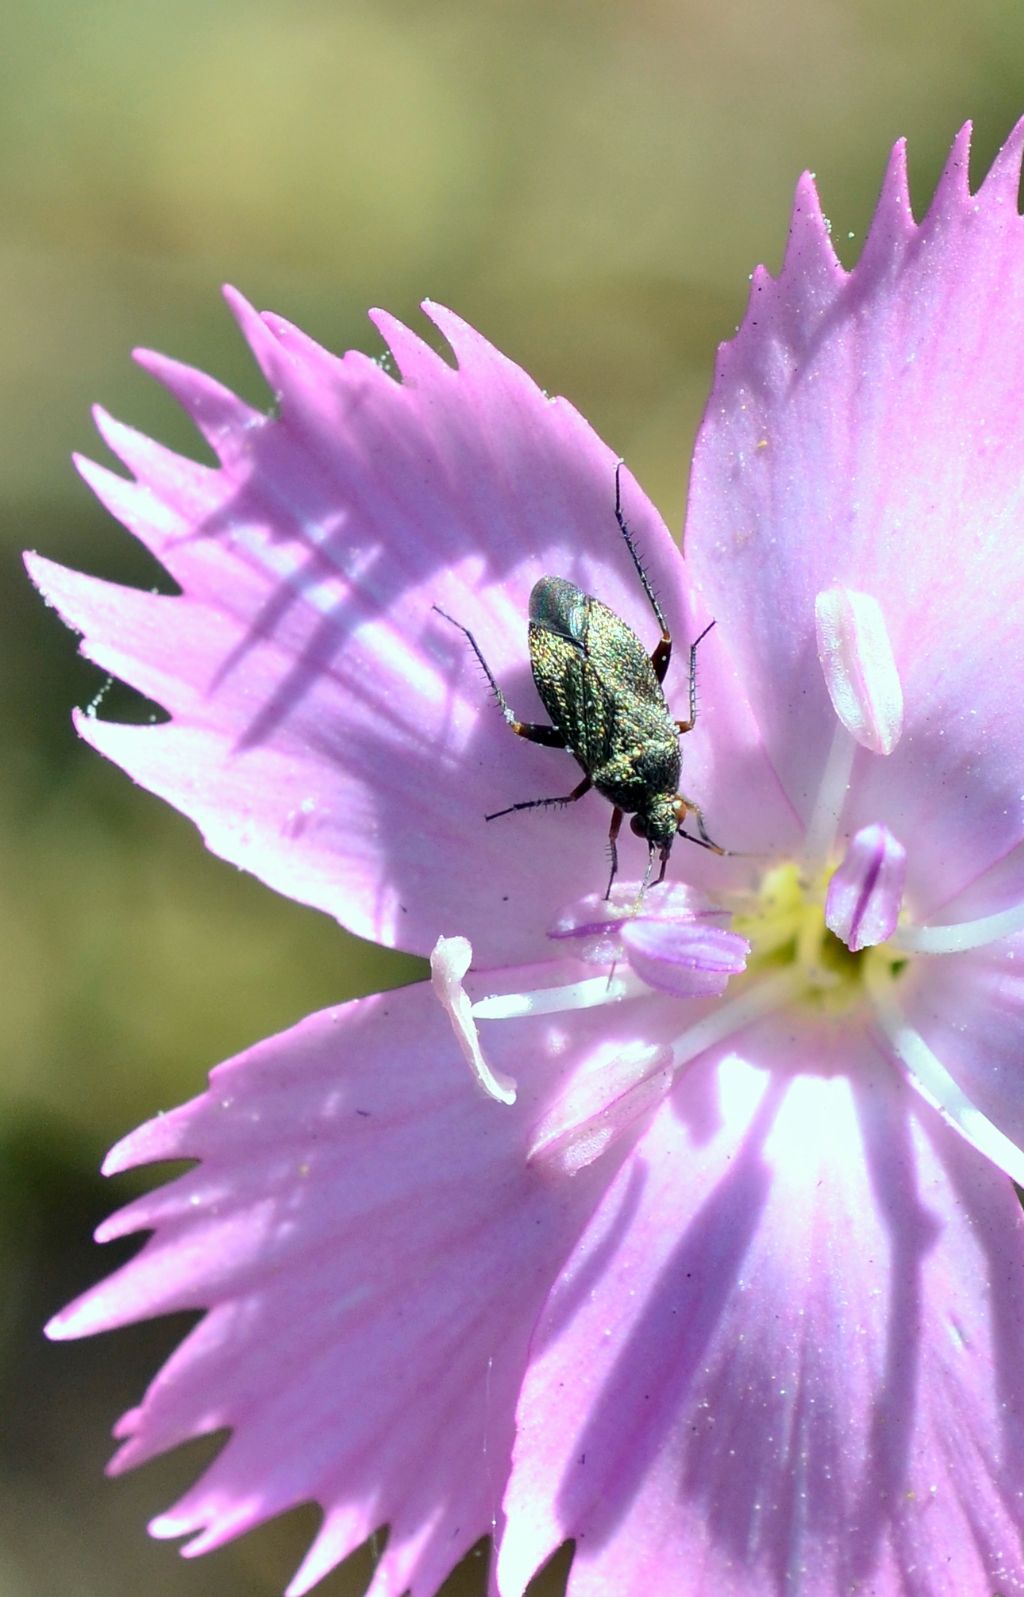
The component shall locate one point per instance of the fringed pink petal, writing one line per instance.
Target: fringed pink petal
(865, 433)
(351, 1229)
(802, 1366)
(316, 686)
(224, 420)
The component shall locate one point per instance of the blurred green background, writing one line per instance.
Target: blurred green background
(590, 185)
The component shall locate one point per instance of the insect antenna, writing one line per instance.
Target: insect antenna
(488, 673)
(703, 842)
(641, 569)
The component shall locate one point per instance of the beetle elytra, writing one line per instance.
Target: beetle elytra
(604, 695)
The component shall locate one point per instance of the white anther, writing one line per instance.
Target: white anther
(449, 962)
(860, 668)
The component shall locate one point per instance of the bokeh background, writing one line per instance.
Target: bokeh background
(588, 183)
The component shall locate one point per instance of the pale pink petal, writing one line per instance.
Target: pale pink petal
(800, 1368)
(352, 1228)
(865, 431)
(330, 732)
(865, 894)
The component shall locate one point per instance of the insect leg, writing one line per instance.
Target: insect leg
(686, 726)
(613, 847)
(533, 730)
(663, 652)
(703, 841)
(538, 804)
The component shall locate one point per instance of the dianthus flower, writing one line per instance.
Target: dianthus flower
(722, 1277)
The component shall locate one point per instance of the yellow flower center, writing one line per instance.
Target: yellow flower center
(783, 918)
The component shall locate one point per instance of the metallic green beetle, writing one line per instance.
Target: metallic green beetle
(604, 695)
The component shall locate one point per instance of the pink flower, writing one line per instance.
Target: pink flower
(729, 1288)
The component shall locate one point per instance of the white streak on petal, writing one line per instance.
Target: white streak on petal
(866, 892)
(449, 962)
(959, 937)
(600, 1104)
(929, 1077)
(860, 669)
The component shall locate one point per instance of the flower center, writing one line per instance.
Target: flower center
(828, 938)
(784, 920)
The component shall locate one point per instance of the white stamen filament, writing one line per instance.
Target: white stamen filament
(961, 936)
(828, 806)
(601, 1104)
(587, 994)
(581, 1126)
(772, 993)
(929, 1077)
